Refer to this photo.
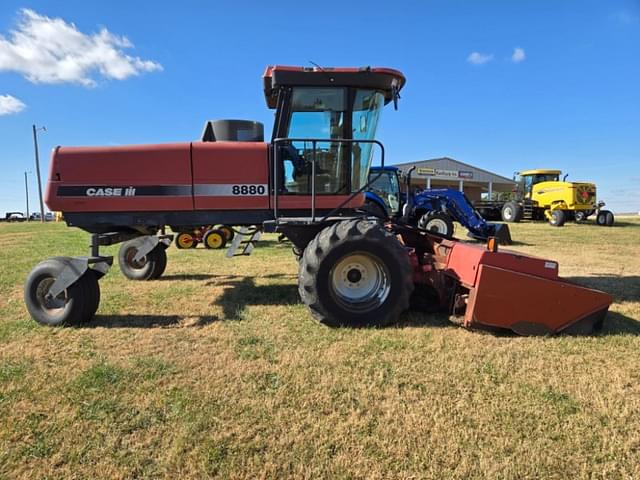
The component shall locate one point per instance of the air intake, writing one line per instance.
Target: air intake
(233, 131)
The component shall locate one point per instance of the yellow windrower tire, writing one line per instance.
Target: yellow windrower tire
(214, 239)
(185, 240)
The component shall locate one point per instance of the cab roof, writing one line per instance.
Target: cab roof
(541, 171)
(383, 79)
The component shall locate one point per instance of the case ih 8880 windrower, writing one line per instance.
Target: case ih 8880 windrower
(307, 184)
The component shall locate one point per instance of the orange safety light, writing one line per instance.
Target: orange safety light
(492, 244)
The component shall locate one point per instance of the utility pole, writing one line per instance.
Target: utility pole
(26, 192)
(35, 144)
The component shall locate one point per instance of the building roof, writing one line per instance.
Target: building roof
(448, 166)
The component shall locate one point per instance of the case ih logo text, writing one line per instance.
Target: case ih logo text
(111, 192)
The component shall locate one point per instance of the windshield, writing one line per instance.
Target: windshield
(548, 177)
(327, 113)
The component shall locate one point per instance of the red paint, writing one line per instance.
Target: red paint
(215, 163)
(508, 299)
(133, 165)
(230, 163)
(464, 261)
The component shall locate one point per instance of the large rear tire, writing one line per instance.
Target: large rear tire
(149, 267)
(436, 222)
(511, 212)
(67, 308)
(355, 274)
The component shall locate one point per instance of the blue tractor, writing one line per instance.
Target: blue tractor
(432, 210)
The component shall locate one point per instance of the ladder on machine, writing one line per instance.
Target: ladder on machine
(527, 209)
(245, 241)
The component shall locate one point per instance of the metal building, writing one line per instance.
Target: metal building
(476, 183)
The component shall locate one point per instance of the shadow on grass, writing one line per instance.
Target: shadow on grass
(622, 288)
(211, 276)
(146, 321)
(617, 324)
(240, 292)
(619, 223)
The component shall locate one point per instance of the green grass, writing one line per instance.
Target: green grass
(217, 370)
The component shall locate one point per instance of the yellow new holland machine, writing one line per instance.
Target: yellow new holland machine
(542, 195)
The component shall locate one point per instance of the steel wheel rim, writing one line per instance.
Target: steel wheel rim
(54, 306)
(130, 258)
(360, 282)
(185, 240)
(214, 240)
(437, 225)
(508, 213)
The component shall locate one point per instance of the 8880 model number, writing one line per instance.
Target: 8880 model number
(248, 189)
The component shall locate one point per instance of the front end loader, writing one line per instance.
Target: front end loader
(433, 210)
(308, 184)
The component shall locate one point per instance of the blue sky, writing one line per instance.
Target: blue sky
(568, 99)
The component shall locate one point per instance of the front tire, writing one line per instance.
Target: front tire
(436, 222)
(355, 274)
(511, 212)
(149, 267)
(581, 216)
(91, 293)
(67, 308)
(558, 217)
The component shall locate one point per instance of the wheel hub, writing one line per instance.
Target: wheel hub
(131, 259)
(354, 275)
(49, 302)
(437, 225)
(360, 281)
(508, 213)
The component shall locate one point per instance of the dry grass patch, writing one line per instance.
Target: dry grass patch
(217, 370)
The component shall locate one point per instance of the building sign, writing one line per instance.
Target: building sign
(440, 172)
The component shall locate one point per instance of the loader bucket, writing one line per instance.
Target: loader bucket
(499, 230)
(502, 233)
(508, 290)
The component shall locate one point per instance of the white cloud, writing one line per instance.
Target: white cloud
(477, 58)
(10, 105)
(50, 50)
(518, 55)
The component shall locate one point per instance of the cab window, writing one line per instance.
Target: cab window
(328, 114)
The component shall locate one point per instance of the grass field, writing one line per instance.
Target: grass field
(217, 370)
